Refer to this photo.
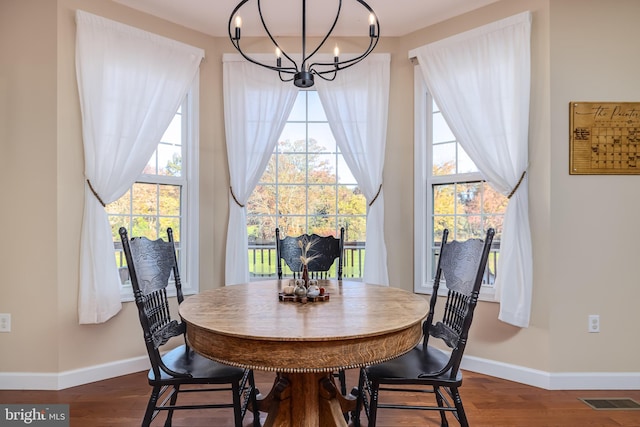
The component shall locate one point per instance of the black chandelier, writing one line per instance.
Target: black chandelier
(302, 74)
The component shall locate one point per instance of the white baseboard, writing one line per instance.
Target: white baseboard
(520, 374)
(554, 380)
(62, 380)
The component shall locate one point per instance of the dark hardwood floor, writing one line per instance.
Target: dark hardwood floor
(488, 401)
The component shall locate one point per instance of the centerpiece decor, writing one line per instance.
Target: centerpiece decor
(304, 289)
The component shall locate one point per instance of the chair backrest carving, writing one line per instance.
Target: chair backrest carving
(461, 265)
(323, 253)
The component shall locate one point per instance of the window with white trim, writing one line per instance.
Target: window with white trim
(449, 193)
(165, 195)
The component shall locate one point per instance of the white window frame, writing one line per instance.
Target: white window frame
(189, 204)
(423, 191)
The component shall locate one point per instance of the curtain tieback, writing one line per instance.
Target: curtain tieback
(95, 193)
(376, 196)
(234, 197)
(517, 185)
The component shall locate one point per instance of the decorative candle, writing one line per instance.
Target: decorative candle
(238, 26)
(372, 25)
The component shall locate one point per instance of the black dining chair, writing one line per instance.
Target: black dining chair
(150, 265)
(461, 266)
(324, 252)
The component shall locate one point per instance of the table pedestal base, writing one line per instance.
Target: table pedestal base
(305, 400)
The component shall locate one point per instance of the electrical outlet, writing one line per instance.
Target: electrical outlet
(5, 322)
(594, 323)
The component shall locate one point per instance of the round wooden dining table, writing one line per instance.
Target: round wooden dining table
(354, 325)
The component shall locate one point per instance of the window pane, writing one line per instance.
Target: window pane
(169, 160)
(444, 159)
(145, 199)
(351, 200)
(261, 229)
(344, 173)
(262, 201)
(469, 196)
(465, 164)
(355, 228)
(299, 113)
(292, 199)
(146, 226)
(494, 202)
(173, 134)
(169, 200)
(292, 168)
(322, 200)
(269, 175)
(122, 206)
(322, 168)
(152, 167)
(322, 225)
(469, 227)
(441, 131)
(444, 199)
(316, 112)
(321, 138)
(174, 223)
(291, 225)
(495, 221)
(117, 222)
(440, 222)
(293, 138)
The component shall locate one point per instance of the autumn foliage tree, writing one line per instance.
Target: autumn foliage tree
(467, 209)
(308, 199)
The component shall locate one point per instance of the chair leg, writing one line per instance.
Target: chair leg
(443, 414)
(172, 403)
(462, 416)
(343, 382)
(362, 402)
(373, 402)
(359, 393)
(254, 400)
(237, 404)
(151, 405)
(343, 388)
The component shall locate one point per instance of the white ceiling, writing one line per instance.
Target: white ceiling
(283, 17)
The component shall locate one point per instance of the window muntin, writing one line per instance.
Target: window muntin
(306, 188)
(164, 195)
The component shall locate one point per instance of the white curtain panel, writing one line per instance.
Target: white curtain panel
(357, 104)
(131, 83)
(256, 107)
(480, 79)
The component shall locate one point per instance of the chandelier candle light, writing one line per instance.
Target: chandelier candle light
(302, 74)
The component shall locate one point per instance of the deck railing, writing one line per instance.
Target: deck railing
(263, 261)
